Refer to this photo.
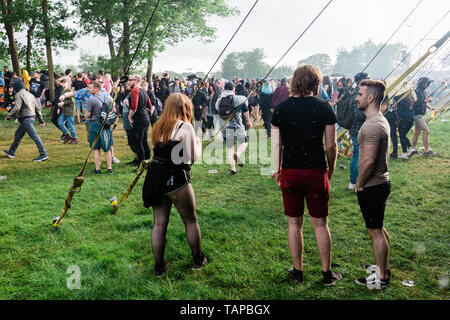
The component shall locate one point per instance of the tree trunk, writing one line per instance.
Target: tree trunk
(48, 47)
(29, 45)
(126, 39)
(12, 42)
(149, 69)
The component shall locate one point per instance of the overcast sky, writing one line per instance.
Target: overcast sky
(275, 24)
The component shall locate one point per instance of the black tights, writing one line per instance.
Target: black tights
(184, 201)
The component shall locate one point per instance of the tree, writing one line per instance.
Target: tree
(282, 72)
(55, 31)
(354, 61)
(245, 64)
(123, 22)
(8, 17)
(320, 60)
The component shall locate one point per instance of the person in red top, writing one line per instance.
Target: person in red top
(86, 78)
(139, 117)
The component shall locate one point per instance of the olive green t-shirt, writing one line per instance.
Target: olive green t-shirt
(375, 130)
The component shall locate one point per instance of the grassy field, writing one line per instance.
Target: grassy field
(244, 231)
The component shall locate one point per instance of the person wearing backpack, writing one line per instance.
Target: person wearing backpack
(357, 119)
(225, 106)
(139, 118)
(94, 109)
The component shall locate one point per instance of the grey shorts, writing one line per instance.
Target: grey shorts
(420, 123)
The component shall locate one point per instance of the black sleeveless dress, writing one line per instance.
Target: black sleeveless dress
(163, 175)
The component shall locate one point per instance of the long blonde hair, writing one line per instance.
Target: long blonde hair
(177, 107)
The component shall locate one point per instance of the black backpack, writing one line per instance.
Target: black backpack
(112, 116)
(226, 106)
(344, 111)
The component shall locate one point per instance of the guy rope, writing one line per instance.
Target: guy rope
(79, 179)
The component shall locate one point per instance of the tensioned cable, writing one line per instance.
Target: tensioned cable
(79, 180)
(142, 38)
(259, 84)
(384, 45)
(423, 38)
(231, 39)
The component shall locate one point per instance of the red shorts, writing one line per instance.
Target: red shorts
(312, 183)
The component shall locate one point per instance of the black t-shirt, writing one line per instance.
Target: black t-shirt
(36, 88)
(302, 124)
(79, 84)
(7, 75)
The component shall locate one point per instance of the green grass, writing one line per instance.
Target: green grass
(244, 232)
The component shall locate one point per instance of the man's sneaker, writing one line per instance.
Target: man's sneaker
(429, 153)
(6, 152)
(404, 156)
(67, 138)
(110, 171)
(17, 120)
(73, 141)
(41, 158)
(352, 186)
(373, 281)
(160, 268)
(330, 278)
(61, 139)
(393, 156)
(200, 262)
(372, 268)
(295, 274)
(115, 160)
(97, 172)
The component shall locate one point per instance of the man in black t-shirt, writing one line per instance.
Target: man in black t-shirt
(7, 75)
(37, 88)
(298, 126)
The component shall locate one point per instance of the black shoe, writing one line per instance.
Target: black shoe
(114, 127)
(160, 268)
(295, 274)
(132, 163)
(41, 158)
(6, 152)
(97, 172)
(394, 156)
(200, 262)
(232, 173)
(330, 278)
(110, 171)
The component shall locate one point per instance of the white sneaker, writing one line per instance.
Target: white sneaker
(115, 160)
(371, 282)
(404, 156)
(352, 186)
(17, 120)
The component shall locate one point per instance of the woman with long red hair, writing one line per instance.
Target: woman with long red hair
(175, 148)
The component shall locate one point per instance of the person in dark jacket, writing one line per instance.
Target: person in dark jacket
(266, 95)
(358, 120)
(405, 113)
(58, 91)
(211, 123)
(420, 108)
(200, 102)
(27, 109)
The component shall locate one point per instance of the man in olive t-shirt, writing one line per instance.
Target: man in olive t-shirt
(373, 186)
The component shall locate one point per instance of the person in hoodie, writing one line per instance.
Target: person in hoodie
(26, 109)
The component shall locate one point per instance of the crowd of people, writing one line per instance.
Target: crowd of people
(296, 113)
